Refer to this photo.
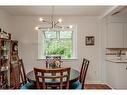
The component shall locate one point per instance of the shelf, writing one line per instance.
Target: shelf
(4, 39)
(4, 59)
(4, 50)
(117, 48)
(1, 71)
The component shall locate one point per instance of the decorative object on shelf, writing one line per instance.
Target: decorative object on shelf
(90, 40)
(14, 46)
(4, 68)
(54, 25)
(4, 34)
(126, 55)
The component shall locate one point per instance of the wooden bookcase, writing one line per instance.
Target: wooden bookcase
(8, 58)
(4, 63)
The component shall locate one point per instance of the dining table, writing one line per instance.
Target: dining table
(74, 76)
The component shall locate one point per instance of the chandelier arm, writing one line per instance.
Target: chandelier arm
(58, 26)
(47, 22)
(52, 14)
(56, 23)
(45, 28)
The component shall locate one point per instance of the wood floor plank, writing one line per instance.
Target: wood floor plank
(96, 86)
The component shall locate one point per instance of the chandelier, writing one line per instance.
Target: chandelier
(53, 24)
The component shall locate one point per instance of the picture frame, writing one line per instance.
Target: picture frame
(90, 40)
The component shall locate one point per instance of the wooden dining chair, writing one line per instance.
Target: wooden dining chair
(24, 81)
(80, 83)
(18, 74)
(60, 75)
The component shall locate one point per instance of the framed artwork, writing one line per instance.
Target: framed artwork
(90, 40)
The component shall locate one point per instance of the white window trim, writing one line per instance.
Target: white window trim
(40, 45)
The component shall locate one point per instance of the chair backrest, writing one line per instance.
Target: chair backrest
(18, 75)
(83, 71)
(22, 72)
(60, 75)
(51, 59)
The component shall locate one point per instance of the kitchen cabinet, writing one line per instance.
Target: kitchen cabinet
(115, 35)
(117, 75)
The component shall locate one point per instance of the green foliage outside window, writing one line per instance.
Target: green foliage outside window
(62, 47)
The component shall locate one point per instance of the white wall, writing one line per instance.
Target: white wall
(23, 31)
(5, 21)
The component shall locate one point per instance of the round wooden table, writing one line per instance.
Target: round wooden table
(74, 75)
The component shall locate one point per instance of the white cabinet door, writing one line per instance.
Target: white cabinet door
(117, 75)
(115, 35)
(125, 35)
(121, 79)
(111, 74)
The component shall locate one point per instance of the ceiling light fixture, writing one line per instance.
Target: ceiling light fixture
(53, 24)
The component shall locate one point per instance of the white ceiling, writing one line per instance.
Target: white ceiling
(58, 10)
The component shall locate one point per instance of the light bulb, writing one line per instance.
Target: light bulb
(70, 26)
(36, 28)
(59, 20)
(41, 19)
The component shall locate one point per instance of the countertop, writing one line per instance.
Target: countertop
(117, 60)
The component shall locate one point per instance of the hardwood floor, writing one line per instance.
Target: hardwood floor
(97, 86)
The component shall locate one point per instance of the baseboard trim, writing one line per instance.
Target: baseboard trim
(93, 82)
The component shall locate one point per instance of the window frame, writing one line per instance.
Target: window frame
(74, 44)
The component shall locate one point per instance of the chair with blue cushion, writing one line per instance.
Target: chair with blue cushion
(28, 86)
(80, 83)
(25, 83)
(19, 76)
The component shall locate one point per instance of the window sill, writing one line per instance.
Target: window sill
(61, 59)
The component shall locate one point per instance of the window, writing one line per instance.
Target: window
(57, 43)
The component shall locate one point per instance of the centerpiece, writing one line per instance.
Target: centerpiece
(56, 63)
